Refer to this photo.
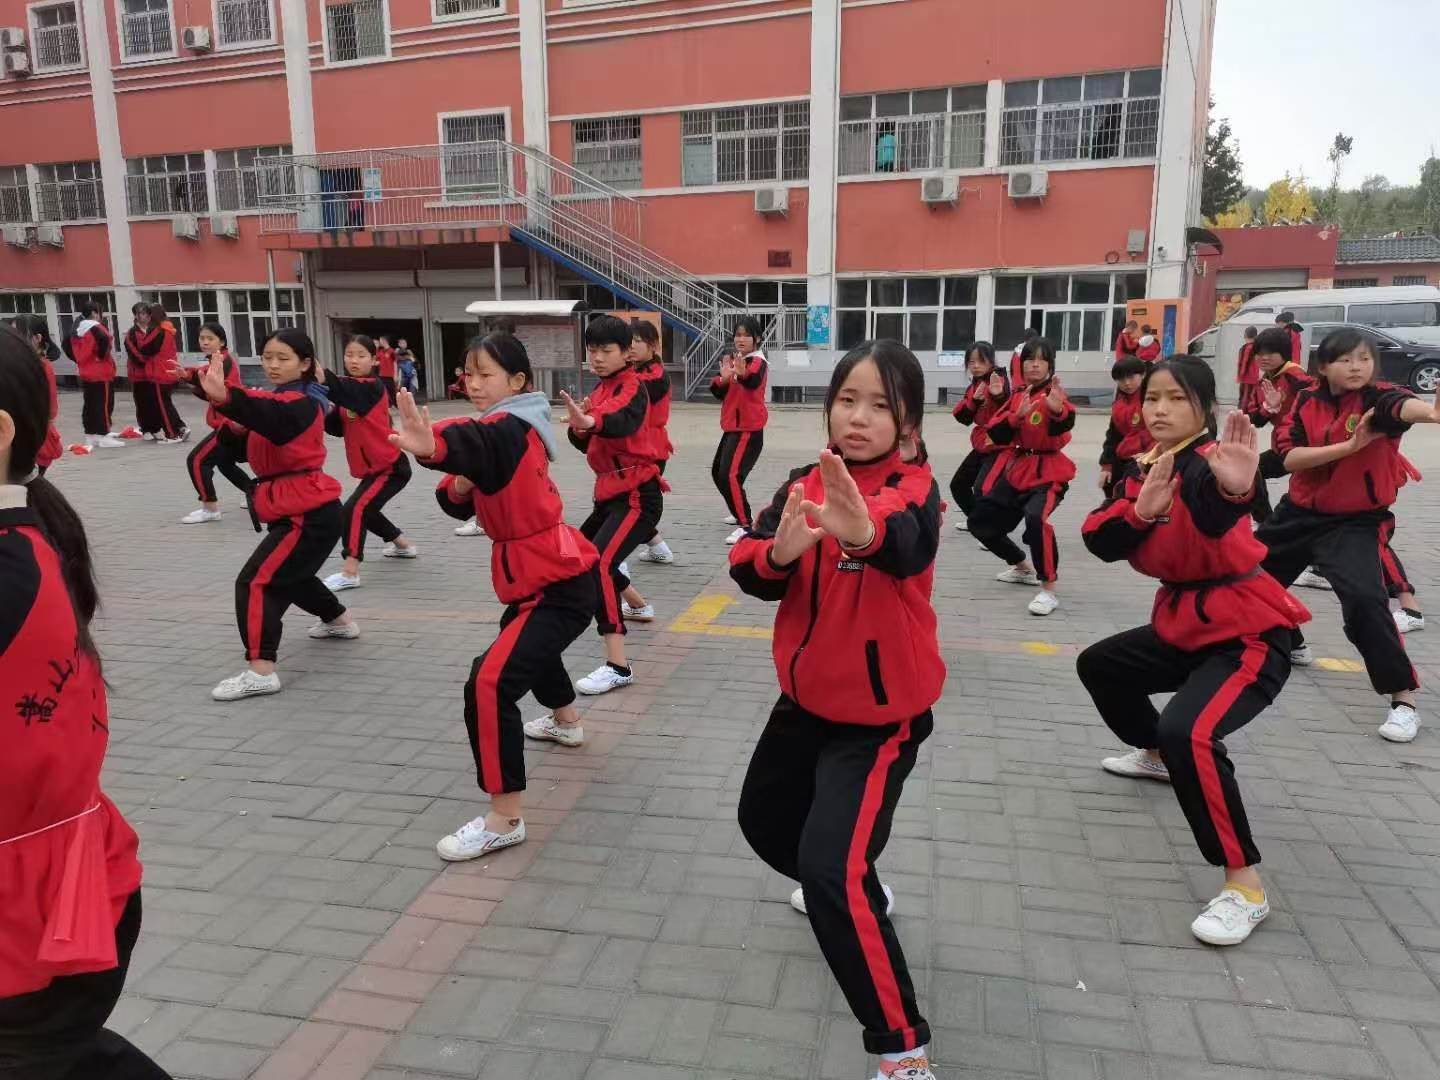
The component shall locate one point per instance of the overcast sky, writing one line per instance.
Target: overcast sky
(1291, 73)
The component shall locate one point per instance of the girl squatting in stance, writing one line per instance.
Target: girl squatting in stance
(543, 570)
(69, 876)
(1342, 450)
(1030, 476)
(1219, 636)
(848, 549)
(1127, 437)
(740, 386)
(989, 390)
(361, 416)
(224, 447)
(293, 496)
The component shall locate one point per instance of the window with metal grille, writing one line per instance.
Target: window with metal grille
(458, 9)
(1410, 279)
(70, 191)
(241, 184)
(242, 22)
(609, 150)
(168, 184)
(745, 145)
(55, 37)
(1078, 312)
(188, 310)
(253, 320)
(70, 304)
(1081, 118)
(356, 30)
(913, 131)
(767, 299)
(1359, 283)
(14, 194)
(927, 314)
(22, 303)
(472, 156)
(145, 28)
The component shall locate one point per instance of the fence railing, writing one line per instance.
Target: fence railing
(57, 47)
(146, 33)
(71, 200)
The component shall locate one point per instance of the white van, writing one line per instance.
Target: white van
(1411, 312)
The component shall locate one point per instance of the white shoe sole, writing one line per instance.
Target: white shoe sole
(410, 554)
(214, 696)
(1397, 736)
(1136, 774)
(543, 736)
(458, 857)
(594, 692)
(341, 586)
(1223, 943)
(637, 616)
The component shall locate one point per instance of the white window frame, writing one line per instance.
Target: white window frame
(713, 136)
(178, 315)
(943, 141)
(30, 11)
(463, 198)
(500, 9)
(906, 309)
(325, 6)
(221, 45)
(24, 192)
(145, 58)
(1112, 308)
(66, 308)
(1043, 110)
(41, 184)
(610, 144)
(240, 170)
(247, 313)
(1403, 280)
(191, 189)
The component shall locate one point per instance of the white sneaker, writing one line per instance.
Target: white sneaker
(393, 551)
(602, 680)
(345, 631)
(199, 517)
(660, 553)
(1044, 603)
(473, 839)
(246, 684)
(637, 614)
(109, 442)
(1013, 575)
(1304, 656)
(1308, 579)
(1405, 622)
(1402, 724)
(184, 435)
(149, 436)
(547, 729)
(797, 900)
(735, 537)
(1136, 763)
(624, 568)
(340, 581)
(1228, 919)
(730, 520)
(963, 525)
(470, 528)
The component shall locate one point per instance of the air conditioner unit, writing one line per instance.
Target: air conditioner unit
(774, 200)
(227, 225)
(1135, 242)
(1029, 184)
(185, 226)
(50, 235)
(17, 64)
(197, 38)
(12, 37)
(938, 190)
(16, 235)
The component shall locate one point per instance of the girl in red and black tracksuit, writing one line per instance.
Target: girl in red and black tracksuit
(1128, 343)
(1219, 635)
(741, 388)
(1029, 478)
(1127, 437)
(138, 373)
(645, 359)
(1280, 382)
(1342, 450)
(543, 571)
(1148, 347)
(610, 427)
(34, 330)
(386, 362)
(988, 392)
(1247, 373)
(224, 447)
(157, 344)
(69, 876)
(848, 549)
(293, 495)
(90, 347)
(361, 415)
(1286, 321)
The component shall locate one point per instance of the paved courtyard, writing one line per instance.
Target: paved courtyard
(299, 926)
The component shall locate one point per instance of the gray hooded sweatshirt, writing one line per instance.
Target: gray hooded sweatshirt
(534, 408)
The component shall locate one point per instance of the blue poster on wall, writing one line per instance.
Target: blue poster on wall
(817, 326)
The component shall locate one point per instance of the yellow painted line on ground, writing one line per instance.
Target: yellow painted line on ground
(1330, 663)
(1039, 648)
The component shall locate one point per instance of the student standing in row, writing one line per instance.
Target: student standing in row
(1247, 372)
(90, 347)
(1219, 640)
(1127, 437)
(1128, 343)
(989, 391)
(224, 447)
(69, 875)
(543, 570)
(741, 388)
(645, 359)
(164, 368)
(385, 358)
(137, 370)
(1148, 348)
(848, 548)
(293, 496)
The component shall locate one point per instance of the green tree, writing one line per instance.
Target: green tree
(1428, 196)
(1329, 205)
(1221, 184)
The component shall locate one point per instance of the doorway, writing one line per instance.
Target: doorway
(411, 331)
(454, 336)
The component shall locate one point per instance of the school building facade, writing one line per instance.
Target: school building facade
(929, 170)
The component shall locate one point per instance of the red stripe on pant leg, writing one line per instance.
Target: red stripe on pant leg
(487, 705)
(196, 463)
(164, 413)
(737, 494)
(357, 519)
(1047, 538)
(867, 927)
(607, 560)
(1251, 660)
(255, 610)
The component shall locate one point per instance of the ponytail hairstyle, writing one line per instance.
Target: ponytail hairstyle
(507, 351)
(158, 318)
(30, 327)
(902, 379)
(300, 342)
(1194, 376)
(25, 396)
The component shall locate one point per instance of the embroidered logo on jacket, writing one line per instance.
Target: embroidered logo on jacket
(1034, 418)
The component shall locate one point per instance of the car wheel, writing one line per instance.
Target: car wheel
(1425, 377)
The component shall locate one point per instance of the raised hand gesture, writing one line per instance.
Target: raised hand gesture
(1271, 395)
(1056, 397)
(843, 514)
(795, 536)
(212, 380)
(579, 419)
(1236, 456)
(1159, 489)
(415, 436)
(997, 384)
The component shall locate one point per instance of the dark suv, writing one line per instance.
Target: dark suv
(1404, 363)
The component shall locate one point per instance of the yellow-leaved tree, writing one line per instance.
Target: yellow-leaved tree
(1237, 217)
(1288, 200)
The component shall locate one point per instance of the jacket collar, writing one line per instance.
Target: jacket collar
(1153, 455)
(875, 470)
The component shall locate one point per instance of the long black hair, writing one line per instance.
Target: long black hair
(986, 351)
(1195, 377)
(219, 331)
(25, 395)
(506, 350)
(901, 377)
(1039, 346)
(1339, 342)
(299, 341)
(751, 325)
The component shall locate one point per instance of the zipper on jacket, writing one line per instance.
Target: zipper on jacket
(1370, 488)
(872, 665)
(810, 629)
(505, 563)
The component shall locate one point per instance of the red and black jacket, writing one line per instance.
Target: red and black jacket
(1368, 480)
(385, 362)
(285, 446)
(1203, 552)
(1247, 369)
(92, 354)
(140, 347)
(164, 366)
(69, 863)
(1149, 353)
(656, 381)
(1125, 345)
(1295, 331)
(51, 449)
(514, 499)
(855, 637)
(620, 447)
(362, 417)
(979, 407)
(1291, 379)
(1032, 441)
(742, 399)
(191, 375)
(1127, 437)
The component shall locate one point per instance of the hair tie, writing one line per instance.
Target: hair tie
(30, 477)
